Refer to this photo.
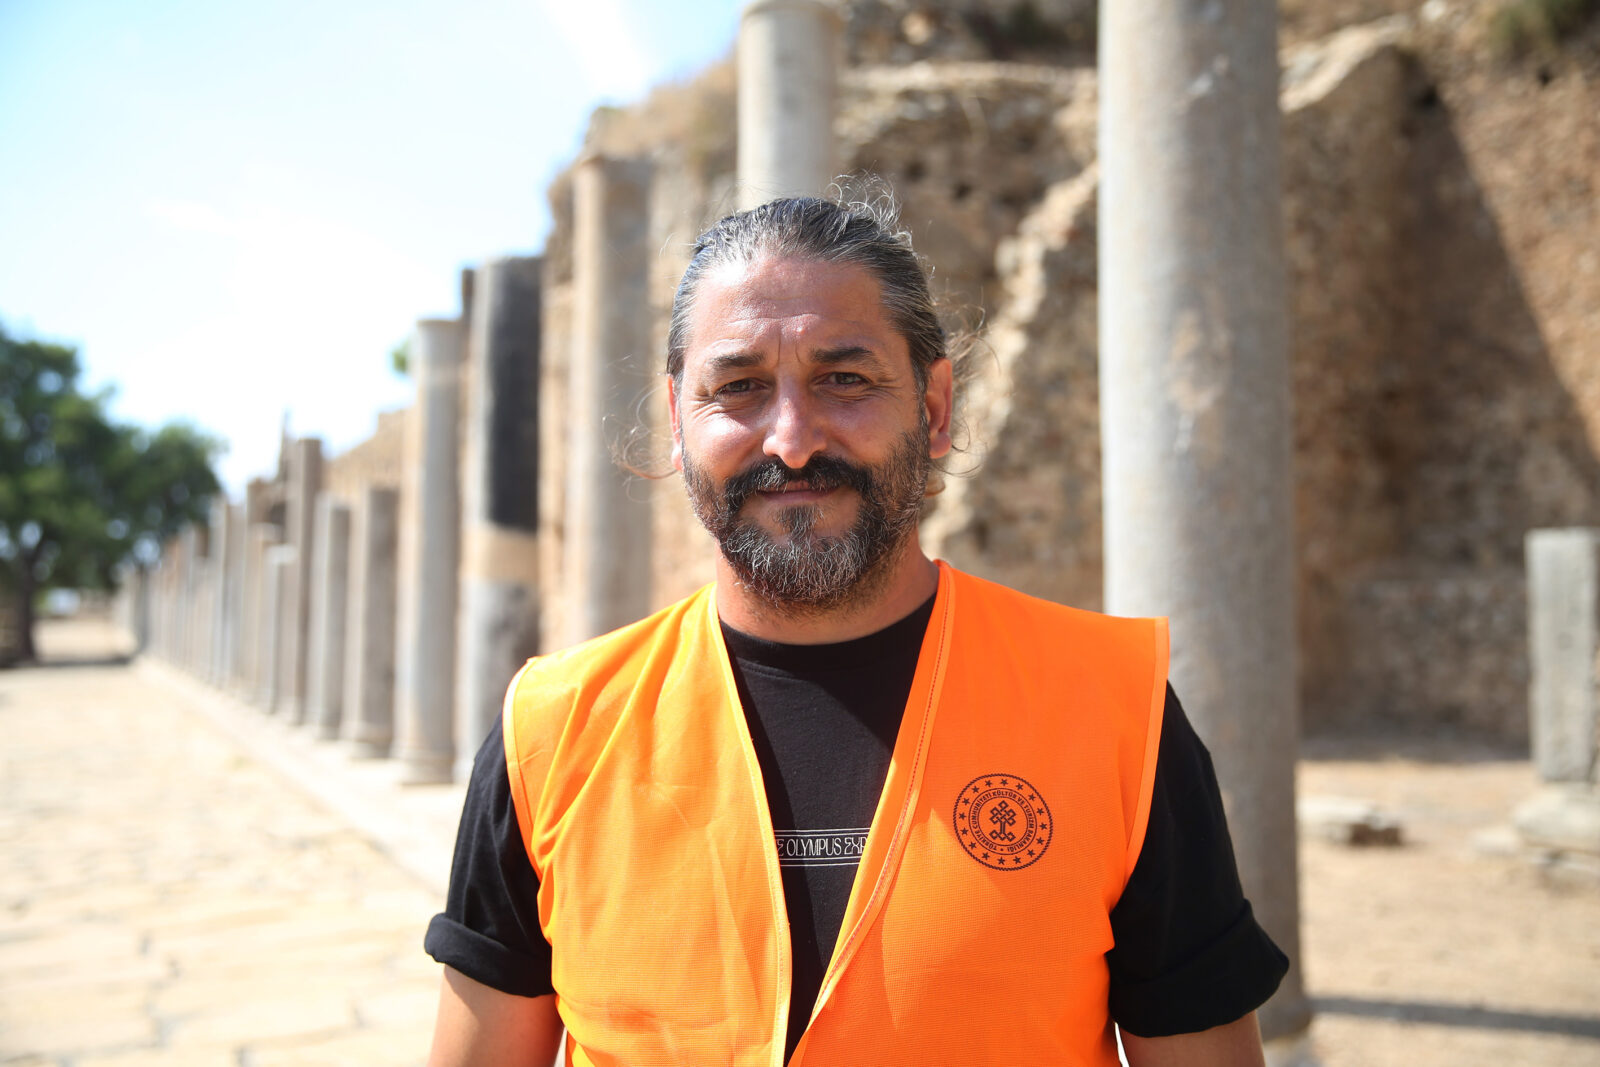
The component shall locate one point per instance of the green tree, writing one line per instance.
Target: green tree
(81, 494)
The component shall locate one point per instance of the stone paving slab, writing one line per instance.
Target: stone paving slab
(187, 881)
(172, 895)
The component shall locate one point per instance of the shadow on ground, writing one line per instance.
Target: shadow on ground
(58, 662)
(1462, 1015)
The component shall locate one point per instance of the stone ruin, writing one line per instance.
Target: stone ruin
(1440, 224)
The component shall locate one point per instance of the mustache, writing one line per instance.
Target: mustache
(820, 472)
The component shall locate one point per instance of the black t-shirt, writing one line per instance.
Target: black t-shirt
(1188, 953)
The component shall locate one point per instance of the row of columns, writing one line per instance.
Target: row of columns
(1194, 415)
(393, 619)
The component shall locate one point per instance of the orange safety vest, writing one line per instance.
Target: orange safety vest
(978, 923)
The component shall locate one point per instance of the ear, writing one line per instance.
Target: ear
(677, 424)
(939, 399)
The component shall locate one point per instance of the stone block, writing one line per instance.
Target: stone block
(1347, 821)
(1564, 643)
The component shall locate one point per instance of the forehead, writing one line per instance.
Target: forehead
(774, 301)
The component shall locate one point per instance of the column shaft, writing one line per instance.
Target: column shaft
(606, 532)
(499, 560)
(277, 584)
(1195, 407)
(329, 586)
(305, 481)
(430, 558)
(788, 72)
(223, 592)
(370, 653)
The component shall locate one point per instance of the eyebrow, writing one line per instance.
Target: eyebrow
(828, 357)
(733, 361)
(849, 354)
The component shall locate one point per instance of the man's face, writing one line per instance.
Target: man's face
(802, 432)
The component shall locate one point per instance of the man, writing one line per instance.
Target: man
(846, 806)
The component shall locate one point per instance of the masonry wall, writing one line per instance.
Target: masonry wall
(1442, 227)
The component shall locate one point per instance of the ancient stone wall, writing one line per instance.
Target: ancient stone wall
(892, 32)
(1441, 225)
(375, 461)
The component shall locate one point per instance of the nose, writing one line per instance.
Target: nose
(795, 433)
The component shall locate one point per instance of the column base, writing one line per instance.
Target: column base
(1561, 817)
(369, 748)
(426, 769)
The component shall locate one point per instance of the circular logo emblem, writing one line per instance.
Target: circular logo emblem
(1003, 822)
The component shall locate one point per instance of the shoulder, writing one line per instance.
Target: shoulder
(986, 607)
(551, 688)
(561, 708)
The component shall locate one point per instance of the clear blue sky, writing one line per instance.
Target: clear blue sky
(236, 210)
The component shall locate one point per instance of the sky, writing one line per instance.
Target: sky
(235, 211)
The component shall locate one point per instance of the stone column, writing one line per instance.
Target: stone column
(305, 481)
(277, 588)
(254, 632)
(196, 591)
(247, 625)
(228, 667)
(224, 590)
(136, 604)
(159, 577)
(1564, 690)
(330, 580)
(499, 551)
(606, 533)
(430, 554)
(370, 634)
(1195, 410)
(788, 73)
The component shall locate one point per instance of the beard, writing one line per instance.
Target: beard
(803, 572)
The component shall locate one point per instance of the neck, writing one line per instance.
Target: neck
(912, 580)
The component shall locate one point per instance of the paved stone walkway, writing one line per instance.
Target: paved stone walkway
(185, 881)
(167, 899)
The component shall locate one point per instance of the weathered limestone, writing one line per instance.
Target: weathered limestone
(247, 627)
(277, 587)
(134, 604)
(225, 542)
(1195, 415)
(430, 555)
(329, 585)
(254, 628)
(607, 528)
(305, 481)
(368, 722)
(1564, 635)
(196, 597)
(788, 74)
(1564, 691)
(499, 557)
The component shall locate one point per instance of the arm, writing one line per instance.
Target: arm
(1235, 1044)
(478, 1025)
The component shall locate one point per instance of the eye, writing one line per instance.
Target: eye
(736, 387)
(845, 377)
